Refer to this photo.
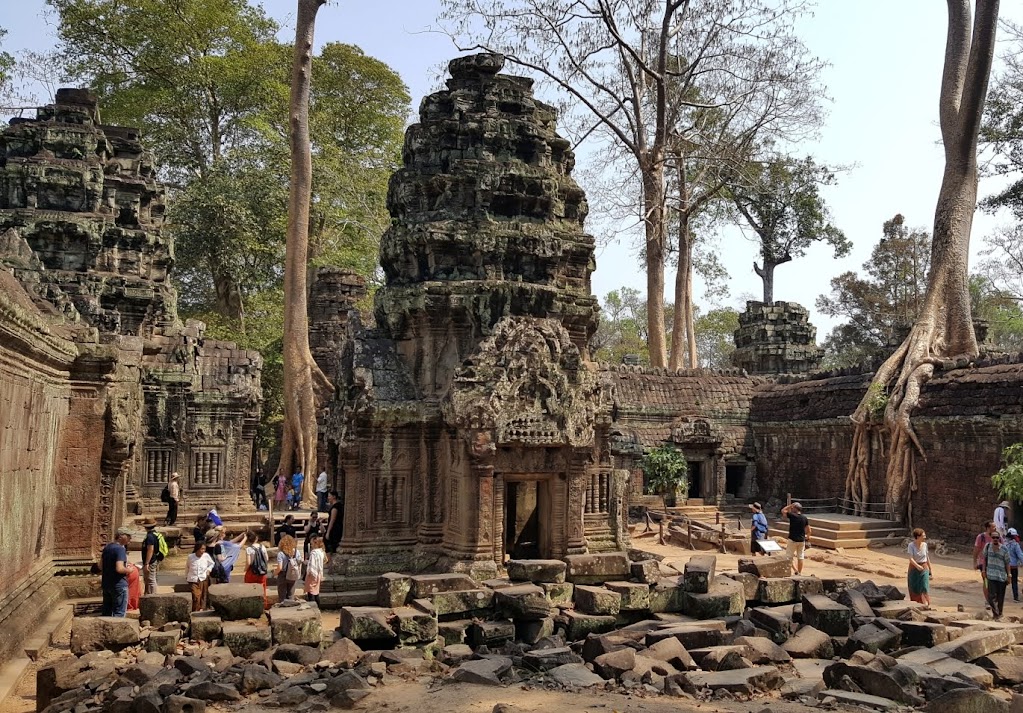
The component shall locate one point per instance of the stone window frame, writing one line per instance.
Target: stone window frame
(219, 458)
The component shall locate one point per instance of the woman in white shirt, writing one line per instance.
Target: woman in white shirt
(919, 577)
(197, 573)
(314, 570)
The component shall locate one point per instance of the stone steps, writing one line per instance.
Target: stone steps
(835, 531)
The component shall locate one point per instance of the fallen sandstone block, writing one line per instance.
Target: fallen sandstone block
(462, 603)
(536, 571)
(393, 589)
(95, 633)
(578, 624)
(367, 624)
(766, 567)
(596, 568)
(698, 575)
(245, 639)
(206, 626)
(296, 625)
(159, 609)
(527, 602)
(825, 614)
(597, 600)
(744, 682)
(235, 602)
(424, 585)
(634, 596)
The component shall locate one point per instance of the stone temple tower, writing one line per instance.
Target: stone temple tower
(471, 425)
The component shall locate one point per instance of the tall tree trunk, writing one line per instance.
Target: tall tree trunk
(691, 312)
(654, 233)
(943, 328)
(766, 274)
(683, 334)
(304, 384)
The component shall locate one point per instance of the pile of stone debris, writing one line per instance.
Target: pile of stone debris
(739, 635)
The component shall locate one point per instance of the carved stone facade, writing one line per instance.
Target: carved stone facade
(776, 339)
(84, 254)
(471, 424)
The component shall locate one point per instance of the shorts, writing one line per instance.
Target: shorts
(797, 550)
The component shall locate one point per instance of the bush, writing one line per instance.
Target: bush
(666, 472)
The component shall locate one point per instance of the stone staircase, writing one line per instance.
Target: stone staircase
(833, 530)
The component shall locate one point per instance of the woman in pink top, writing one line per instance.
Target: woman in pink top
(983, 539)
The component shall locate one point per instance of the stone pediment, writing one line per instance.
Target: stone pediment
(528, 385)
(691, 430)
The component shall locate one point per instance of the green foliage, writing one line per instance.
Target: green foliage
(1001, 310)
(715, 337)
(1009, 480)
(780, 199)
(665, 471)
(880, 305)
(877, 402)
(622, 327)
(6, 62)
(1002, 131)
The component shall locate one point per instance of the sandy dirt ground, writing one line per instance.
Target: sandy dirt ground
(955, 584)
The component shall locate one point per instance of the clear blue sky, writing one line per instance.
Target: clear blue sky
(885, 57)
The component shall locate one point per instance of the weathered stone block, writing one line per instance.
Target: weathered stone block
(725, 598)
(879, 636)
(646, 571)
(760, 650)
(159, 609)
(423, 585)
(95, 633)
(526, 602)
(453, 632)
(460, 604)
(597, 568)
(559, 595)
(344, 652)
(296, 625)
(691, 635)
(807, 586)
(58, 678)
(671, 651)
(597, 600)
(766, 567)
(163, 642)
(698, 575)
(234, 602)
(776, 591)
(777, 620)
(578, 625)
(393, 589)
(414, 626)
(489, 633)
(367, 624)
(206, 626)
(245, 639)
(749, 582)
(922, 633)
(667, 595)
(529, 632)
(970, 647)
(809, 643)
(827, 615)
(537, 571)
(613, 664)
(634, 597)
(546, 659)
(744, 682)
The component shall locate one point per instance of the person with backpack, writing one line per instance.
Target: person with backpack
(317, 561)
(996, 572)
(1001, 518)
(154, 549)
(758, 529)
(255, 572)
(289, 568)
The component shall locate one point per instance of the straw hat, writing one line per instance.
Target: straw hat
(149, 523)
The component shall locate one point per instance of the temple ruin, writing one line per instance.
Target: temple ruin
(104, 392)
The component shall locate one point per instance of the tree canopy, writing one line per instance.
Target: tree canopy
(6, 61)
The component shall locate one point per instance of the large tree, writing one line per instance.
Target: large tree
(944, 328)
(305, 385)
(6, 61)
(781, 202)
(637, 70)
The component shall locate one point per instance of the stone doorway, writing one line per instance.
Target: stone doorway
(526, 517)
(695, 479)
(735, 479)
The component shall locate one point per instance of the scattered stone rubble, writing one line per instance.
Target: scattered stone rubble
(699, 633)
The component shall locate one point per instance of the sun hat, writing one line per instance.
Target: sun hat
(1012, 531)
(123, 531)
(1004, 504)
(148, 523)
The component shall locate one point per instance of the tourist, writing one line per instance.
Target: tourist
(260, 494)
(214, 518)
(134, 586)
(321, 491)
(174, 499)
(313, 528)
(197, 574)
(201, 526)
(982, 541)
(1015, 559)
(1001, 517)
(230, 551)
(758, 529)
(919, 576)
(258, 561)
(297, 480)
(335, 521)
(314, 571)
(280, 490)
(285, 528)
(216, 553)
(996, 571)
(113, 567)
(799, 535)
(289, 568)
(150, 555)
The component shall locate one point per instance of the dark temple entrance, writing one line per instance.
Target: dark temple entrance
(525, 502)
(735, 478)
(695, 479)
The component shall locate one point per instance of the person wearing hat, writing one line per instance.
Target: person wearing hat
(1001, 517)
(150, 555)
(1015, 559)
(799, 535)
(758, 529)
(113, 567)
(174, 490)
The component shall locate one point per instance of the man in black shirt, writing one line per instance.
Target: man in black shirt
(150, 556)
(335, 521)
(799, 535)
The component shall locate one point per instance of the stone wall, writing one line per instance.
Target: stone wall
(34, 395)
(966, 417)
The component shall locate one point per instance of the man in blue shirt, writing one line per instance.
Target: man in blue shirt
(113, 566)
(758, 530)
(297, 480)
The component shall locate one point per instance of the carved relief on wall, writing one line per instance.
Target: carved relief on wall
(689, 430)
(527, 383)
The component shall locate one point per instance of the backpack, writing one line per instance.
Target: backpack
(292, 571)
(218, 572)
(258, 564)
(165, 494)
(161, 547)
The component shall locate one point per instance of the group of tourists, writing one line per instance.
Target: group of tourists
(288, 491)
(122, 581)
(997, 555)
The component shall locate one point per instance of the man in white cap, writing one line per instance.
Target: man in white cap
(1001, 517)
